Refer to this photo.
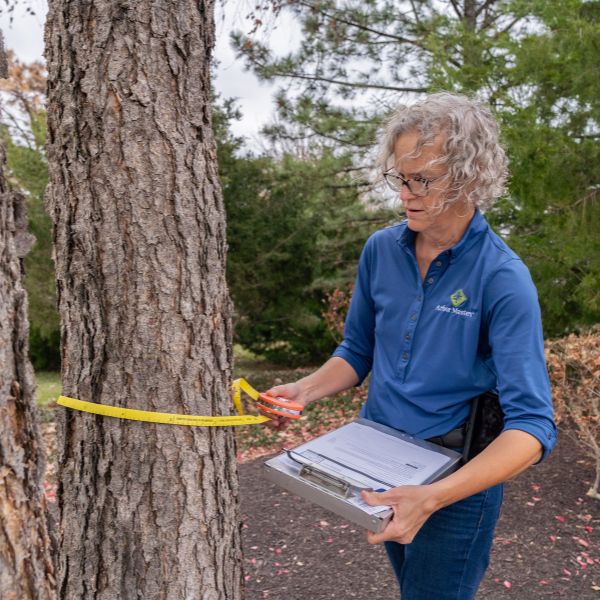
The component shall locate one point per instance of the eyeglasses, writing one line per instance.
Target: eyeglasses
(417, 185)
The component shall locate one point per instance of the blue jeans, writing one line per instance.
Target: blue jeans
(450, 553)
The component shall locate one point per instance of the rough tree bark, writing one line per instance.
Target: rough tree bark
(26, 567)
(147, 511)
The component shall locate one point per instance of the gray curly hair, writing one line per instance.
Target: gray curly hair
(476, 162)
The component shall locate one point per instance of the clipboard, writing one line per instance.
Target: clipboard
(332, 469)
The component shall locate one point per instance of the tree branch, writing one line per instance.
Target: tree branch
(484, 6)
(418, 90)
(456, 9)
(358, 26)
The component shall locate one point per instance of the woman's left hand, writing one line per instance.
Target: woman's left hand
(412, 505)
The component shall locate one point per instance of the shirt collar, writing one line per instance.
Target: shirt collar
(477, 225)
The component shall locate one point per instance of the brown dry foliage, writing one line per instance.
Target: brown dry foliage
(26, 83)
(574, 369)
(336, 308)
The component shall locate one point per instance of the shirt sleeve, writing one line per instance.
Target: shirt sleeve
(517, 353)
(359, 329)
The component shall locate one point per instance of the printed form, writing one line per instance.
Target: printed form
(368, 458)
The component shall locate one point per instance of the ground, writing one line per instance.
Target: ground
(547, 542)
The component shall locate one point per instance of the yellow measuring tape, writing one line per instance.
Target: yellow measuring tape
(174, 419)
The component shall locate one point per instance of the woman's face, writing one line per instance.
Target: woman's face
(423, 211)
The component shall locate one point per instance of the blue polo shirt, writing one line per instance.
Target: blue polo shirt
(473, 324)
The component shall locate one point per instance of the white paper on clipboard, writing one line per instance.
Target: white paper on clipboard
(374, 459)
(368, 456)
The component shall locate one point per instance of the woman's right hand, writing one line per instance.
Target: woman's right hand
(289, 391)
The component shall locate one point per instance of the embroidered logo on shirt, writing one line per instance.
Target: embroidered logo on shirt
(455, 311)
(458, 298)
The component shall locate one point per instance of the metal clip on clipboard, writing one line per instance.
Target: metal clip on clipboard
(340, 486)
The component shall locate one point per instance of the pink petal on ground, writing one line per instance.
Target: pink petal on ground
(507, 584)
(552, 538)
(535, 487)
(567, 572)
(560, 518)
(582, 542)
(543, 582)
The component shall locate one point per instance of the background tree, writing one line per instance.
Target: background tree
(293, 224)
(146, 510)
(26, 566)
(24, 133)
(535, 62)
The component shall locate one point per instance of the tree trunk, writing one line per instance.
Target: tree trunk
(147, 511)
(26, 568)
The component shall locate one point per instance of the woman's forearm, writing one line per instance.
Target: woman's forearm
(507, 456)
(332, 377)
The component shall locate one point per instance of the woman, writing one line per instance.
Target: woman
(442, 311)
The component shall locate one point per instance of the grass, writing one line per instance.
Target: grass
(48, 387)
(47, 393)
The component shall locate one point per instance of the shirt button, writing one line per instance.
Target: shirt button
(430, 280)
(405, 356)
(413, 317)
(407, 337)
(438, 263)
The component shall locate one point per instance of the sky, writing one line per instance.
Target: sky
(25, 35)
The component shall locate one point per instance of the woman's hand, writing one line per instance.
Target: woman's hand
(412, 505)
(332, 377)
(289, 391)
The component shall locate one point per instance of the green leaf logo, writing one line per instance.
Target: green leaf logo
(458, 298)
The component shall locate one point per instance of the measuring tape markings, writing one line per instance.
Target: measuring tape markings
(178, 419)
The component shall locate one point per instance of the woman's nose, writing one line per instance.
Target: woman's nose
(405, 193)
